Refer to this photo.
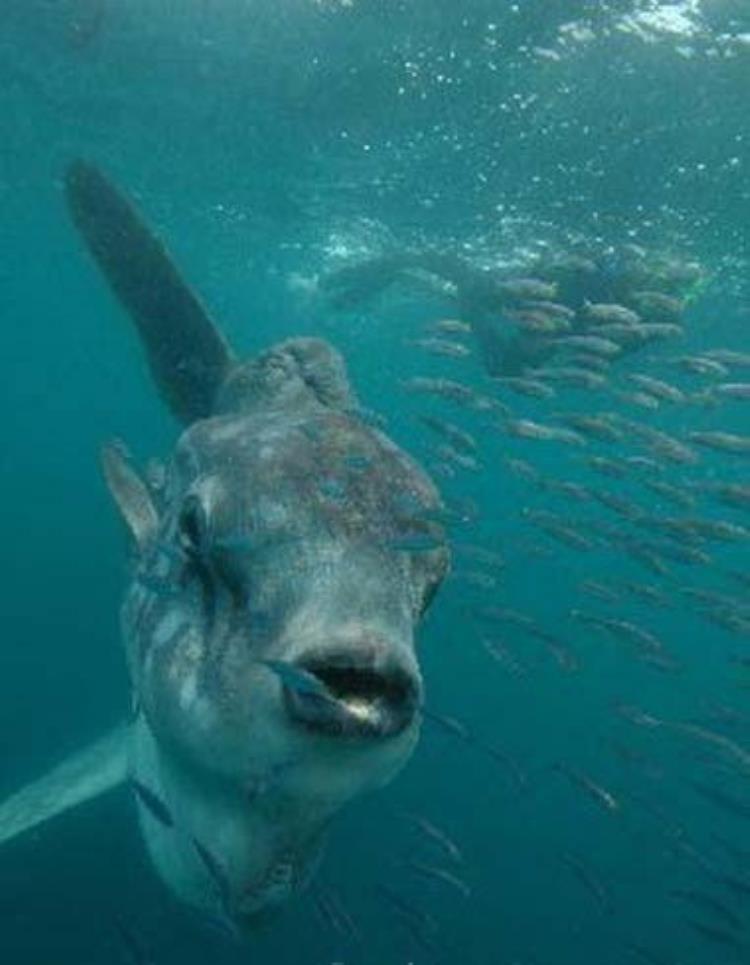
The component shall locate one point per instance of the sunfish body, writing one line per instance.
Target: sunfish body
(252, 576)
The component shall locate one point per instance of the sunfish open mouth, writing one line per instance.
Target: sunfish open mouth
(357, 700)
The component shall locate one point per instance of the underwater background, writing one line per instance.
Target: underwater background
(599, 801)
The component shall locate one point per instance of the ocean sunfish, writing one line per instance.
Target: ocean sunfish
(276, 539)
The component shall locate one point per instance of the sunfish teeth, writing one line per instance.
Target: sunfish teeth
(361, 709)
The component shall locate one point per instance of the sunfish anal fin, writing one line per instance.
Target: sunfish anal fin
(79, 778)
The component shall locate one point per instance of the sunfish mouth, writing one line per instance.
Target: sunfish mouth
(357, 700)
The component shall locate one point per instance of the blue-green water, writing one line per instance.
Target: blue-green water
(271, 143)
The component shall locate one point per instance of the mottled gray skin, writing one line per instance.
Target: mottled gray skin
(275, 539)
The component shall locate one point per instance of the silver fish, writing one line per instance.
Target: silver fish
(722, 442)
(528, 429)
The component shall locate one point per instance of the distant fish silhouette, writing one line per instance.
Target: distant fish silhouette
(86, 24)
(153, 804)
(131, 944)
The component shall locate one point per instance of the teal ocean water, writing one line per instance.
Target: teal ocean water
(580, 793)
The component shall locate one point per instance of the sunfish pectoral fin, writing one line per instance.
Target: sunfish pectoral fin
(130, 493)
(79, 778)
(188, 357)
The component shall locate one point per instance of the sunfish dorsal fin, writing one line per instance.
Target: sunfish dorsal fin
(188, 356)
(79, 778)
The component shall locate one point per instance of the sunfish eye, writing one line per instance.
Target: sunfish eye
(192, 527)
(193, 537)
(208, 558)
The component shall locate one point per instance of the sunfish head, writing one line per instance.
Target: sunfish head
(281, 554)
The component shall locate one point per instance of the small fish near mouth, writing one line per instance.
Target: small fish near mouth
(339, 695)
